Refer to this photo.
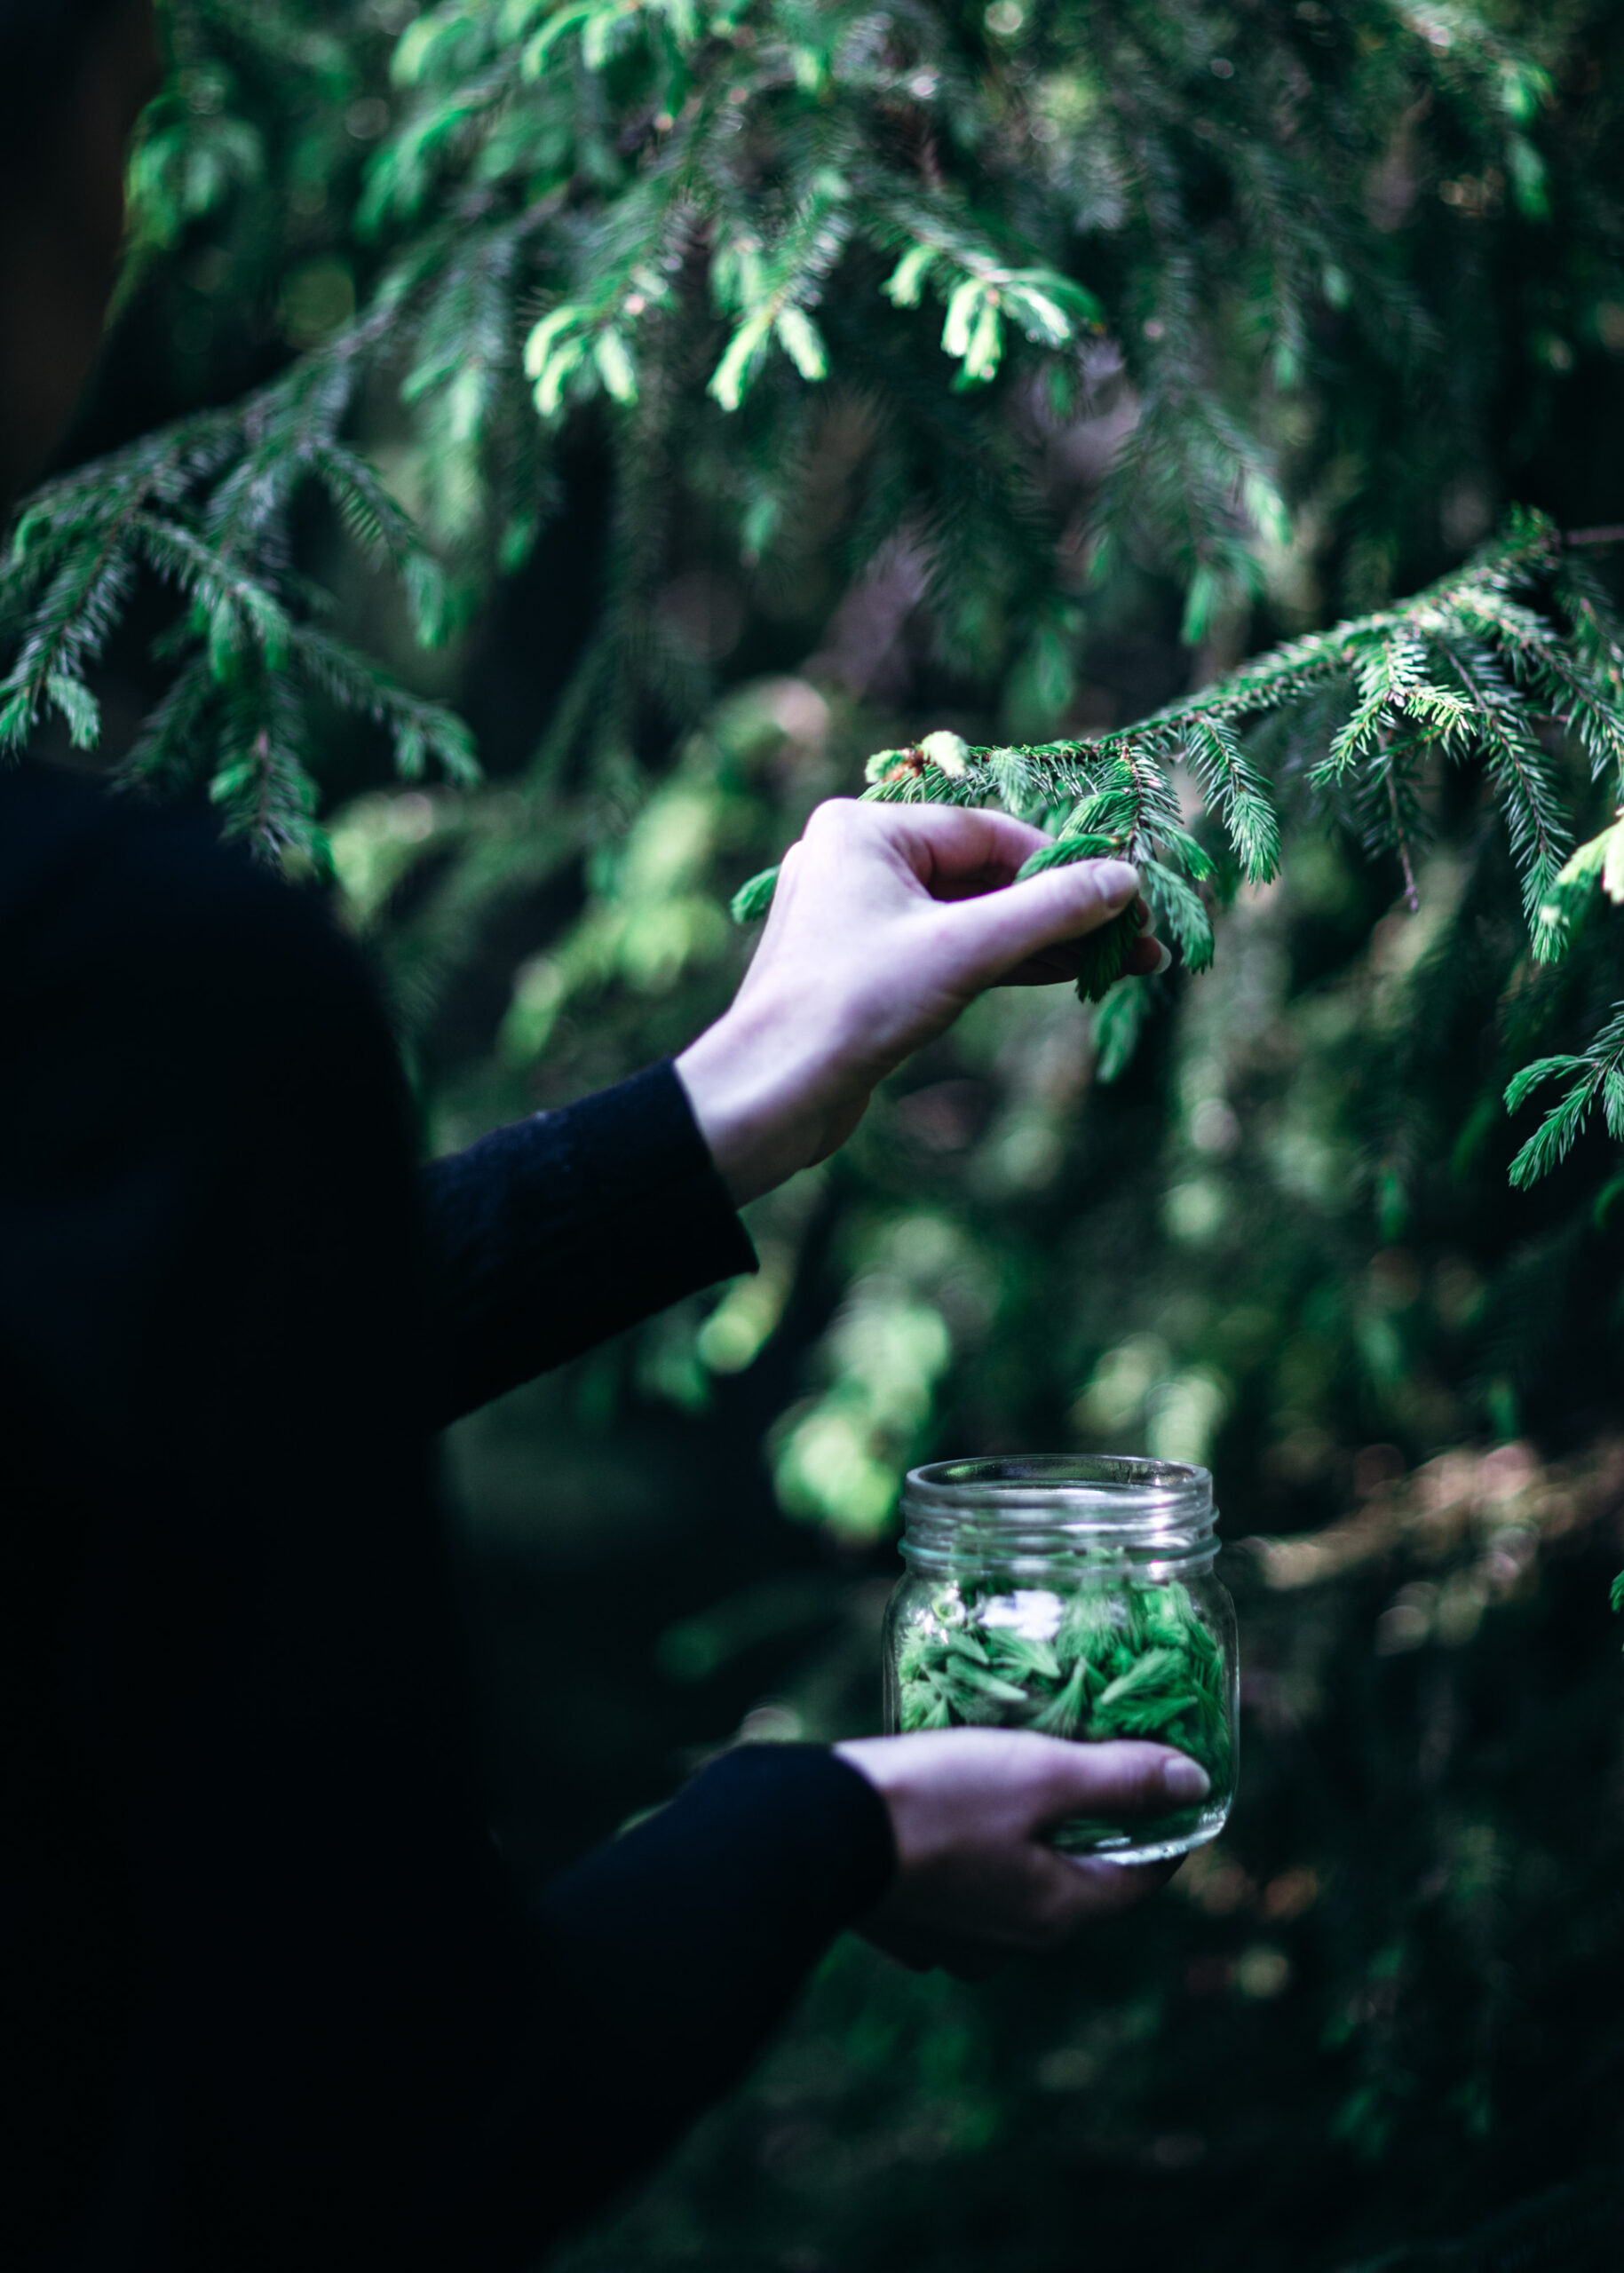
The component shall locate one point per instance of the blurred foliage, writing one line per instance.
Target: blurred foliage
(732, 392)
(1342, 2025)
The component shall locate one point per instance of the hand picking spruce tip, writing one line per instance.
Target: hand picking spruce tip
(1102, 954)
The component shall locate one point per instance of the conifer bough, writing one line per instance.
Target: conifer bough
(1485, 667)
(714, 220)
(201, 507)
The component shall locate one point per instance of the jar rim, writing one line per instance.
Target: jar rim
(1089, 1492)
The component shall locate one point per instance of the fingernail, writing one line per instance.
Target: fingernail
(1164, 960)
(1185, 1781)
(1118, 881)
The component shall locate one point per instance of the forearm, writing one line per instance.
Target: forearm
(683, 1941)
(562, 1230)
(886, 922)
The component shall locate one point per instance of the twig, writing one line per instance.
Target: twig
(1412, 897)
(1614, 535)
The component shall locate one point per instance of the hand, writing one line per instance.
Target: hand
(975, 1882)
(888, 920)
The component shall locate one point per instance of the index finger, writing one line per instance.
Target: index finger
(1078, 1890)
(958, 851)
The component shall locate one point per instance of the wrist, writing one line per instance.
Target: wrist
(874, 1760)
(760, 1095)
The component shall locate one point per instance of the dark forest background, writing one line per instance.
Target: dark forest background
(1353, 285)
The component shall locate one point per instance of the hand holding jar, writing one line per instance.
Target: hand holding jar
(974, 1812)
(1073, 1597)
(1060, 1661)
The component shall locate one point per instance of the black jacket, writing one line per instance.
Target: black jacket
(267, 1998)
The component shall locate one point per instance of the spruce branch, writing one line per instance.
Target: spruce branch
(1597, 1075)
(673, 197)
(1466, 670)
(204, 507)
(704, 219)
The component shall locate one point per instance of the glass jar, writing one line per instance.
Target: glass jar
(1076, 1597)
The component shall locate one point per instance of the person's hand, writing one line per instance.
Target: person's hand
(969, 1808)
(888, 920)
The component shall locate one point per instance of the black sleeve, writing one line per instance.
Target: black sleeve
(274, 1998)
(563, 1228)
(672, 1951)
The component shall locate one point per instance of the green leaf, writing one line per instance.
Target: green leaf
(613, 357)
(1103, 955)
(1110, 813)
(983, 351)
(1118, 1025)
(545, 335)
(752, 901)
(1022, 1657)
(1064, 1715)
(903, 287)
(1190, 856)
(731, 375)
(974, 1681)
(1064, 852)
(79, 707)
(948, 752)
(1612, 1101)
(799, 337)
(963, 310)
(1522, 1085)
(1236, 793)
(1155, 1669)
(17, 719)
(1554, 1137)
(1178, 913)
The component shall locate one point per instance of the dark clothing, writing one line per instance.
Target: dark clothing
(267, 1998)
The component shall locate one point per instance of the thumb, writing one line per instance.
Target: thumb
(1123, 1777)
(1002, 928)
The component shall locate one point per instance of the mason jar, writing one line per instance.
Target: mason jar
(1076, 1597)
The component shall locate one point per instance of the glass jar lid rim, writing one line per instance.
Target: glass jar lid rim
(1062, 1488)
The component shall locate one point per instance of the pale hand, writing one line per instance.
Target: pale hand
(976, 1882)
(887, 922)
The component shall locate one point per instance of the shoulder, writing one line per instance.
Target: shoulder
(96, 888)
(151, 978)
